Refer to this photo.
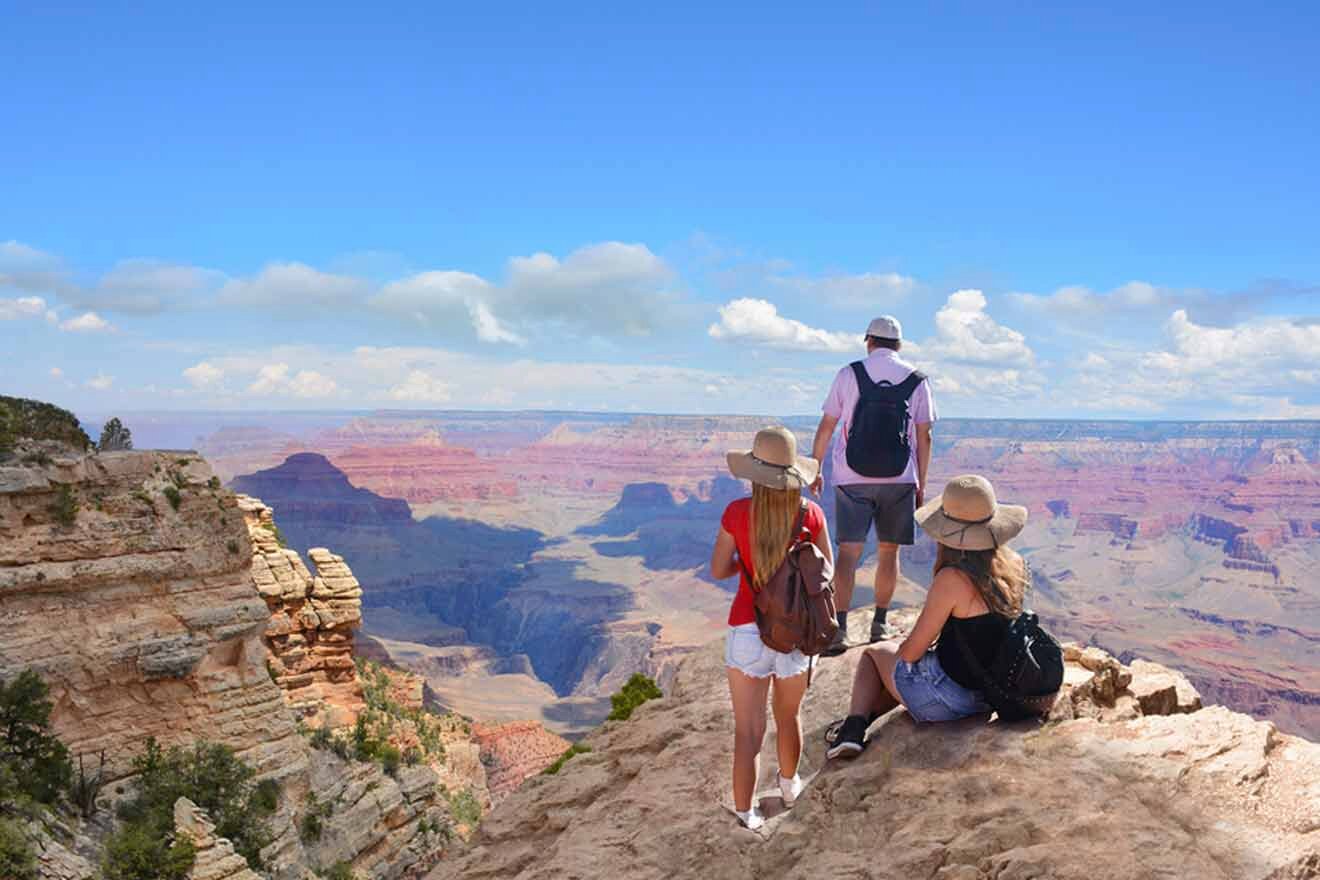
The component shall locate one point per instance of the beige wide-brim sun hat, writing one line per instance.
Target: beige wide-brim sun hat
(773, 461)
(969, 517)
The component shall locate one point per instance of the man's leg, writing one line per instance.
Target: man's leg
(894, 527)
(853, 513)
(886, 581)
(845, 579)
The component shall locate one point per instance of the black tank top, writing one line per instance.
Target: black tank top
(983, 633)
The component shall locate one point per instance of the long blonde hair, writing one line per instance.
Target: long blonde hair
(999, 575)
(774, 513)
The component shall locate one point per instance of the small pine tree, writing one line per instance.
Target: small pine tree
(38, 762)
(636, 691)
(115, 436)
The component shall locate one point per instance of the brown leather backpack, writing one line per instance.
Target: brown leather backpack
(795, 606)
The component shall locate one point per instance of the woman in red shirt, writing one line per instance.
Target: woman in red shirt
(755, 534)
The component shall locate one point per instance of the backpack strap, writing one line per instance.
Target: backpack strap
(909, 385)
(865, 383)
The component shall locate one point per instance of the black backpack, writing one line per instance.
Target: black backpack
(878, 444)
(1027, 672)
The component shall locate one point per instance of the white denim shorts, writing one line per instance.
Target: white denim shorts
(745, 652)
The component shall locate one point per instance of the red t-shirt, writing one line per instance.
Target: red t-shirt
(737, 521)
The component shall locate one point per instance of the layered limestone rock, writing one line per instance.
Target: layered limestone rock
(312, 618)
(1207, 794)
(127, 582)
(215, 856)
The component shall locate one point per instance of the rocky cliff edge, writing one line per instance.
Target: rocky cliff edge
(1110, 787)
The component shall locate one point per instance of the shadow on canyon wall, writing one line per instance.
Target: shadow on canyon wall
(443, 581)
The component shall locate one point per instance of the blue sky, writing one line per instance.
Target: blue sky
(1100, 212)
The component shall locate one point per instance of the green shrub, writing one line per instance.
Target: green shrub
(36, 763)
(636, 691)
(569, 753)
(390, 758)
(137, 852)
(18, 860)
(275, 531)
(8, 430)
(312, 825)
(339, 871)
(114, 436)
(465, 808)
(35, 420)
(212, 777)
(65, 507)
(173, 495)
(213, 483)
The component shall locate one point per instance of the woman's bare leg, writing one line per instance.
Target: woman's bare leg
(786, 701)
(749, 696)
(873, 692)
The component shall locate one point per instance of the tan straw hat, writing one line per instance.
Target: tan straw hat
(967, 516)
(773, 461)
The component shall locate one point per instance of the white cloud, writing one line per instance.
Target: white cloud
(758, 322)
(26, 268)
(283, 286)
(56, 373)
(101, 382)
(22, 307)
(965, 333)
(420, 386)
(88, 322)
(1257, 351)
(607, 289)
(443, 298)
(1082, 302)
(278, 380)
(204, 375)
(876, 291)
(146, 287)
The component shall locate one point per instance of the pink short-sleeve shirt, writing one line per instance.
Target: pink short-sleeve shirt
(881, 365)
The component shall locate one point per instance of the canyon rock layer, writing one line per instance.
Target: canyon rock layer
(1187, 543)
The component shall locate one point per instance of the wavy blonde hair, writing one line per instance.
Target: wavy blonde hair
(1000, 575)
(774, 513)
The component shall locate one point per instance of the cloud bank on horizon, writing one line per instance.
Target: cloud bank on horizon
(616, 326)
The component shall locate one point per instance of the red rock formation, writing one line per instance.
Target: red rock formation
(514, 751)
(424, 471)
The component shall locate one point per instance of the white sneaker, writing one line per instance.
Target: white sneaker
(790, 789)
(752, 819)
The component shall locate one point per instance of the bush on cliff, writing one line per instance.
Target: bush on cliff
(33, 764)
(636, 691)
(34, 420)
(18, 861)
(211, 776)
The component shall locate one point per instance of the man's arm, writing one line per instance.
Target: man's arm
(821, 445)
(924, 435)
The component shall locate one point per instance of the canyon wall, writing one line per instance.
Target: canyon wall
(127, 582)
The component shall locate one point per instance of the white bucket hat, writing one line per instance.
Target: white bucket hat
(773, 461)
(969, 517)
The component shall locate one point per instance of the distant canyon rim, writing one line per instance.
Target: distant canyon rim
(527, 563)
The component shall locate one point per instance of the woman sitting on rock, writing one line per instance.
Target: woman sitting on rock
(976, 593)
(755, 534)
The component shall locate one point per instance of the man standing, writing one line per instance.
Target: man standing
(879, 460)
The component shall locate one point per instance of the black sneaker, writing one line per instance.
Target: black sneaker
(850, 739)
(838, 646)
(882, 632)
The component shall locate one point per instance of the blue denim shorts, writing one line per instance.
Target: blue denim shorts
(930, 695)
(745, 652)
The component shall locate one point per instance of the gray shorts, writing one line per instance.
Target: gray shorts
(891, 506)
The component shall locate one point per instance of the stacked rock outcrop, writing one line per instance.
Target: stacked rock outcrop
(312, 618)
